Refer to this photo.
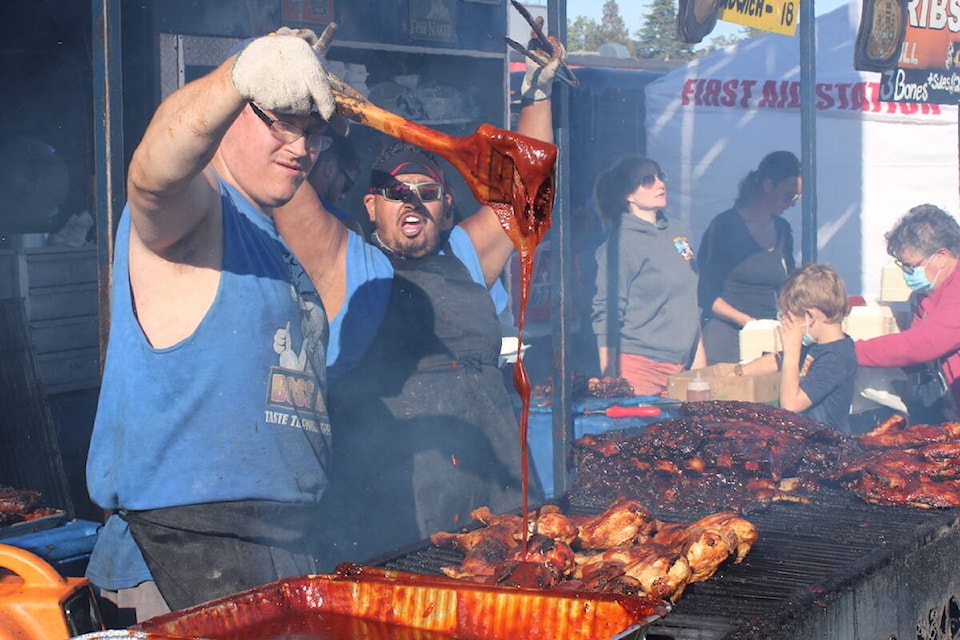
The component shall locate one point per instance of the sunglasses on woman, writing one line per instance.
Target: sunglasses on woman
(400, 191)
(648, 181)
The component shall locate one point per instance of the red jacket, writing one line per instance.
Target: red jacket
(934, 333)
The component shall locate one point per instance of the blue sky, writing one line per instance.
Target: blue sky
(633, 12)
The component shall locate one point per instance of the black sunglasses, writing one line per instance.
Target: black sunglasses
(648, 181)
(287, 132)
(400, 191)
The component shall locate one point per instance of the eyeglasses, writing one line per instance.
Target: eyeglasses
(910, 268)
(400, 191)
(287, 132)
(648, 181)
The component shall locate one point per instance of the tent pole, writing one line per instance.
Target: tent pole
(108, 147)
(562, 272)
(808, 131)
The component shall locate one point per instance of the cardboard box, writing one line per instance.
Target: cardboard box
(870, 321)
(758, 337)
(893, 287)
(763, 388)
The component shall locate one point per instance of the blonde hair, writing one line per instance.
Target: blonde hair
(814, 286)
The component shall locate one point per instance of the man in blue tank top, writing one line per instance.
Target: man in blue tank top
(424, 431)
(210, 450)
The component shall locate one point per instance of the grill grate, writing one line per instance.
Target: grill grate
(805, 553)
(30, 455)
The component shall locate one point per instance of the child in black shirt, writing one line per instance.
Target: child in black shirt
(818, 364)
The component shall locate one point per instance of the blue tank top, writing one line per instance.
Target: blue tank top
(235, 411)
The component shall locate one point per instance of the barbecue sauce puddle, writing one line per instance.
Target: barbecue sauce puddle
(303, 625)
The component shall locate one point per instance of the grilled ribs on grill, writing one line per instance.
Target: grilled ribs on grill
(893, 432)
(17, 505)
(583, 386)
(716, 456)
(644, 556)
(726, 455)
(917, 465)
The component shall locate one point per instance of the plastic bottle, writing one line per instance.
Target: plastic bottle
(698, 388)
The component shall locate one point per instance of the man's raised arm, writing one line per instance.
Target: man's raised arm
(493, 245)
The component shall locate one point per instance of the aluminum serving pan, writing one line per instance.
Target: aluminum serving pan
(365, 602)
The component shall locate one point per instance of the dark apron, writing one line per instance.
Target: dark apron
(224, 547)
(424, 431)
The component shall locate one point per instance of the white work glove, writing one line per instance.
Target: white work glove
(538, 81)
(283, 72)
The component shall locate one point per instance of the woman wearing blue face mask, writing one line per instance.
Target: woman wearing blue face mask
(926, 245)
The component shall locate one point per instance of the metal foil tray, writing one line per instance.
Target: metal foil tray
(30, 526)
(379, 604)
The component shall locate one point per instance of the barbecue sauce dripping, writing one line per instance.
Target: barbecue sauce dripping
(525, 220)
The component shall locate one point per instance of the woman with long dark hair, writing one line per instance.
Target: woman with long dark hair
(746, 253)
(645, 309)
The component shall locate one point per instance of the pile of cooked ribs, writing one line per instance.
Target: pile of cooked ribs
(715, 456)
(727, 455)
(720, 457)
(917, 465)
(583, 386)
(622, 550)
(19, 505)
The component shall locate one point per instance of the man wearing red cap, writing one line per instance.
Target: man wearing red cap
(424, 431)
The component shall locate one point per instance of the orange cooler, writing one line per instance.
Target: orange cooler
(37, 603)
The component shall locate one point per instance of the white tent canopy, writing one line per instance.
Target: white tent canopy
(711, 121)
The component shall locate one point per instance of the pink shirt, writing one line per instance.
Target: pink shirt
(934, 333)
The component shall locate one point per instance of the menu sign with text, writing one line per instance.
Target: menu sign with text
(929, 66)
(777, 16)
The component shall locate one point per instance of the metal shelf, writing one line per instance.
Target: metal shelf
(177, 52)
(402, 48)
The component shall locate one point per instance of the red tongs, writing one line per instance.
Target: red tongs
(617, 411)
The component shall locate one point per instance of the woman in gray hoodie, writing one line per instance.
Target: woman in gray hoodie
(645, 312)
